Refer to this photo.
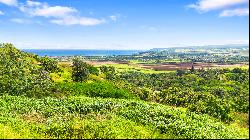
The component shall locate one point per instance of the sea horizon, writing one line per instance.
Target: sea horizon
(81, 52)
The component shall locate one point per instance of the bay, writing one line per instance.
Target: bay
(68, 52)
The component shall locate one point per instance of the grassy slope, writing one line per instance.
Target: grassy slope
(92, 117)
(133, 67)
(84, 117)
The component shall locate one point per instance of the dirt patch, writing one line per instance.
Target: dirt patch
(34, 117)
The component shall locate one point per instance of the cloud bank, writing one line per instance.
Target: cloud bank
(60, 15)
(71, 20)
(9, 2)
(235, 12)
(227, 7)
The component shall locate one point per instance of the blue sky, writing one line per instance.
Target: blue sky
(123, 24)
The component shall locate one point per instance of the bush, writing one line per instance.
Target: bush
(80, 72)
(48, 64)
(216, 92)
(109, 71)
(20, 75)
(95, 89)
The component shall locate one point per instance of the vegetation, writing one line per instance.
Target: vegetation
(109, 71)
(48, 64)
(82, 117)
(21, 75)
(41, 98)
(80, 71)
(94, 89)
(214, 92)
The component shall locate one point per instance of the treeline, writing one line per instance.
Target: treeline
(29, 75)
(217, 92)
(82, 70)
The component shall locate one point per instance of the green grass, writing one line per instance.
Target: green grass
(232, 67)
(172, 60)
(40, 108)
(64, 75)
(133, 67)
(84, 117)
(142, 62)
(153, 61)
(102, 89)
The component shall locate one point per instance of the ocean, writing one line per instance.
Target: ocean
(57, 52)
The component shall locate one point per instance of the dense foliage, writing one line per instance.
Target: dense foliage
(80, 71)
(109, 71)
(40, 98)
(20, 75)
(82, 117)
(95, 89)
(216, 92)
(48, 64)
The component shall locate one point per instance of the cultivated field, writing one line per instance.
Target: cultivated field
(163, 67)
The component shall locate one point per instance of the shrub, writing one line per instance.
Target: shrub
(48, 64)
(109, 71)
(95, 89)
(19, 75)
(80, 71)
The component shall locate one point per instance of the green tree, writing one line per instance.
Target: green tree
(180, 72)
(93, 70)
(238, 70)
(80, 71)
(48, 64)
(109, 71)
(20, 75)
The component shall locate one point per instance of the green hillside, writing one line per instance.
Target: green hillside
(41, 99)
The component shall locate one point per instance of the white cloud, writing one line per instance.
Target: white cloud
(207, 5)
(235, 12)
(33, 3)
(56, 11)
(9, 2)
(1, 13)
(25, 21)
(115, 17)
(60, 15)
(21, 21)
(71, 20)
(43, 9)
